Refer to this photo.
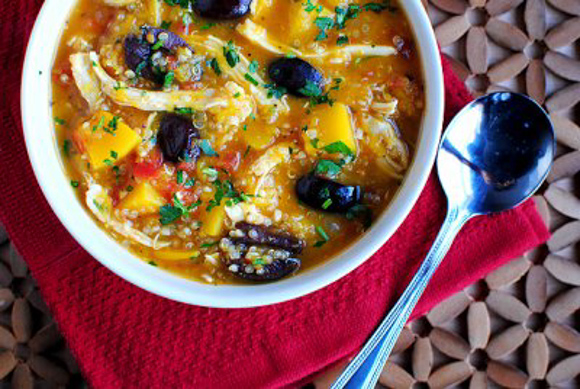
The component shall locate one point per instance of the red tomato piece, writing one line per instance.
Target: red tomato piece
(229, 161)
(149, 167)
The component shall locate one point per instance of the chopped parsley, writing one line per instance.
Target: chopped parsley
(309, 7)
(253, 67)
(210, 244)
(152, 263)
(129, 188)
(184, 111)
(100, 124)
(225, 190)
(251, 79)
(338, 147)
(231, 54)
(170, 213)
(207, 149)
(74, 184)
(179, 177)
(169, 78)
(316, 94)
(114, 154)
(207, 26)
(342, 15)
(59, 121)
(342, 40)
(189, 183)
(328, 168)
(327, 204)
(324, 23)
(247, 151)
(323, 235)
(66, 146)
(214, 64)
(165, 25)
(183, 3)
(275, 91)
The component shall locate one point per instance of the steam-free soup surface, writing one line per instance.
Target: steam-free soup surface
(237, 143)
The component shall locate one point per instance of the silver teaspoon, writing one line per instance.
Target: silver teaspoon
(494, 155)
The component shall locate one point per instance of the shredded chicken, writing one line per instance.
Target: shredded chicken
(383, 138)
(238, 111)
(145, 100)
(99, 202)
(258, 35)
(213, 47)
(86, 80)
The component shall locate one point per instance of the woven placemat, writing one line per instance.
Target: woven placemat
(517, 327)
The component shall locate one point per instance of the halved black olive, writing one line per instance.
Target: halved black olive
(176, 138)
(297, 76)
(263, 236)
(222, 9)
(139, 51)
(327, 195)
(280, 268)
(169, 41)
(268, 264)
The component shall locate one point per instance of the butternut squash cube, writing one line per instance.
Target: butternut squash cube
(109, 140)
(144, 199)
(329, 124)
(213, 221)
(175, 255)
(301, 27)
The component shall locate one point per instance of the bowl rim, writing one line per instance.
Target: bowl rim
(48, 168)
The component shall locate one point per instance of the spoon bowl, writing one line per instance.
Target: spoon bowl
(496, 153)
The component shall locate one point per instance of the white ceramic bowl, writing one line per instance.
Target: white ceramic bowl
(48, 167)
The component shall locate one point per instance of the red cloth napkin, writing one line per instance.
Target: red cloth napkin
(125, 337)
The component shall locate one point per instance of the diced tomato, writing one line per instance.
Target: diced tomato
(229, 161)
(149, 167)
(191, 85)
(179, 28)
(188, 167)
(63, 68)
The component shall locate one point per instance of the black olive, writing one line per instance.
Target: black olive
(280, 268)
(139, 52)
(327, 195)
(222, 9)
(176, 138)
(234, 257)
(170, 42)
(263, 236)
(297, 76)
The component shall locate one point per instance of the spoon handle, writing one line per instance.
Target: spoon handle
(364, 370)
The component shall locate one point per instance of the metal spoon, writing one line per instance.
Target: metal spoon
(494, 155)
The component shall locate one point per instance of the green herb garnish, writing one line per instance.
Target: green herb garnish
(168, 81)
(214, 64)
(231, 54)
